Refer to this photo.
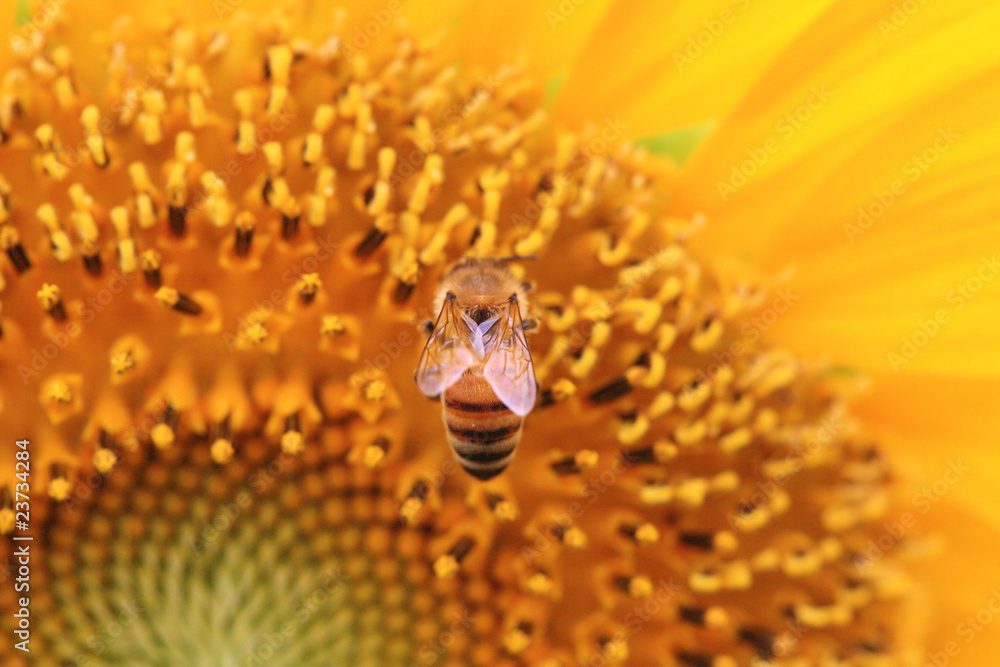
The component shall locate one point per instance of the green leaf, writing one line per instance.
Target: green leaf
(842, 371)
(23, 12)
(678, 144)
(555, 83)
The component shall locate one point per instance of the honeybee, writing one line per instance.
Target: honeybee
(477, 360)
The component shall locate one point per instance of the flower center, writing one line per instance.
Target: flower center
(270, 560)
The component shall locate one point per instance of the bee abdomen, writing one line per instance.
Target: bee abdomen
(485, 436)
(484, 452)
(464, 406)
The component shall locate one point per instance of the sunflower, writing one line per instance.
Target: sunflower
(765, 345)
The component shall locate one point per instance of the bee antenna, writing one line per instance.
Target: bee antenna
(514, 258)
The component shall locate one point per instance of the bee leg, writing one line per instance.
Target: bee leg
(427, 327)
(529, 285)
(530, 324)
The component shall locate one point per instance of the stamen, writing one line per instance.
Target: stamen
(11, 242)
(163, 432)
(90, 118)
(182, 303)
(571, 536)
(290, 214)
(332, 326)
(375, 452)
(122, 363)
(222, 444)
(611, 391)
(91, 259)
(150, 262)
(50, 298)
(723, 541)
(245, 225)
(448, 564)
(705, 660)
(62, 250)
(414, 501)
(503, 509)
(760, 639)
(308, 287)
(59, 484)
(105, 457)
(292, 441)
(636, 586)
(707, 617)
(575, 463)
(642, 534)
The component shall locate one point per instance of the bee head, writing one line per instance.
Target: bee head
(480, 313)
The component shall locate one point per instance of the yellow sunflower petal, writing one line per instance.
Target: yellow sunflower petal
(858, 80)
(942, 435)
(545, 35)
(964, 589)
(926, 305)
(879, 183)
(663, 65)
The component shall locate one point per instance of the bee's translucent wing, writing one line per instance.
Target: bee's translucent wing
(508, 367)
(446, 356)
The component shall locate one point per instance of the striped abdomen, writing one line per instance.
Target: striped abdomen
(481, 429)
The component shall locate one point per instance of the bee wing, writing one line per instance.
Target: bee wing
(446, 356)
(508, 368)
